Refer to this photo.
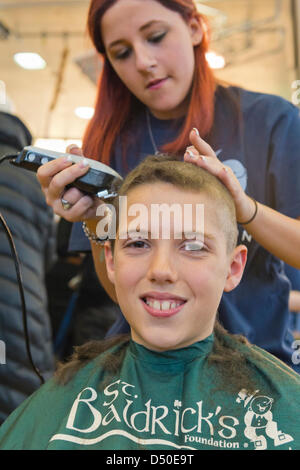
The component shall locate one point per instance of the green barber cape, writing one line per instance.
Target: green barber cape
(161, 401)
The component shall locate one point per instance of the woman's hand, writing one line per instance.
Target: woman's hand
(55, 175)
(201, 154)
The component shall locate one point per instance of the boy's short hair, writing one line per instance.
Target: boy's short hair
(183, 175)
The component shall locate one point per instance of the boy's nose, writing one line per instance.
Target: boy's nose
(161, 268)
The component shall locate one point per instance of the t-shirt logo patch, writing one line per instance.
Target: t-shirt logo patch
(238, 169)
(259, 421)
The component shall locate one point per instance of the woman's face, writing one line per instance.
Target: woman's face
(151, 48)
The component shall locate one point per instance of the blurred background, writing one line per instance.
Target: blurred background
(255, 44)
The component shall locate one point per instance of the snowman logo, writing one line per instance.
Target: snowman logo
(237, 167)
(239, 170)
(259, 421)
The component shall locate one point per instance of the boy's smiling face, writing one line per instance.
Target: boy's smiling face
(169, 289)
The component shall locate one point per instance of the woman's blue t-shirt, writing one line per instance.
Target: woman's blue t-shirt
(258, 136)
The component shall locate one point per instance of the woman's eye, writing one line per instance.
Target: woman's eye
(157, 37)
(123, 54)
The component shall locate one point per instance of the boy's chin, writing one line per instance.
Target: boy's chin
(162, 343)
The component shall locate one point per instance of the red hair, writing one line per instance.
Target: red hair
(115, 104)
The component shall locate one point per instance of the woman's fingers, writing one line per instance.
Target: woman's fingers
(213, 165)
(200, 145)
(55, 176)
(73, 148)
(83, 208)
(65, 177)
(46, 172)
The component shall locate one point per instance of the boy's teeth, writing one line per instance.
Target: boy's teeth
(164, 305)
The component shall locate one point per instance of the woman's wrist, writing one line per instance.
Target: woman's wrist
(251, 217)
(89, 227)
(91, 224)
(247, 211)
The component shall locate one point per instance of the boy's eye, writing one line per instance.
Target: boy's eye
(136, 244)
(195, 245)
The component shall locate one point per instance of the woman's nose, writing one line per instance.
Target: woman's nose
(144, 58)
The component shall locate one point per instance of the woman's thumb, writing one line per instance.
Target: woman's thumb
(73, 148)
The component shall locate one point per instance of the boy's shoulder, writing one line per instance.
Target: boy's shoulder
(271, 369)
(53, 401)
(91, 364)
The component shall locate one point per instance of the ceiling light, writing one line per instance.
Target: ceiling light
(30, 60)
(215, 61)
(84, 112)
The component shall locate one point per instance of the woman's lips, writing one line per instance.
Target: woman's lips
(156, 84)
(162, 308)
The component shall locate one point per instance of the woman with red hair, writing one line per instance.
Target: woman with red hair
(113, 94)
(156, 86)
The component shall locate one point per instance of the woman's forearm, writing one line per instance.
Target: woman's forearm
(294, 301)
(99, 259)
(100, 267)
(277, 233)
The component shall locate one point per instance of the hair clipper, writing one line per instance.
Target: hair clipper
(100, 180)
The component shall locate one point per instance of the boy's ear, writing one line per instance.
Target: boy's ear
(196, 30)
(236, 268)
(109, 261)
